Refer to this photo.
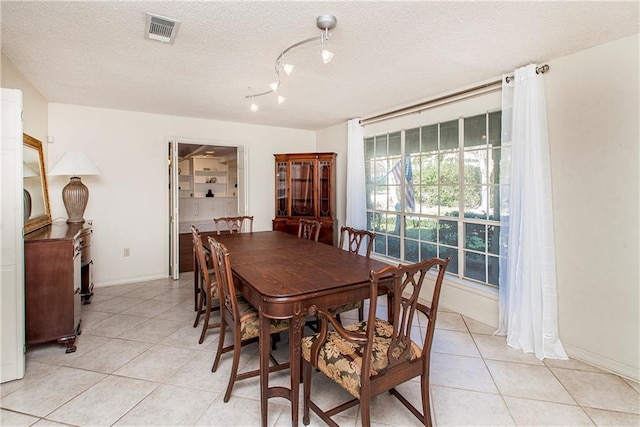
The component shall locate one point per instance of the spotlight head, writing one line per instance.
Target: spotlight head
(254, 107)
(327, 56)
(288, 68)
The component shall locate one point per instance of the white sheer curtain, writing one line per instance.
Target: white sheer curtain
(356, 215)
(528, 290)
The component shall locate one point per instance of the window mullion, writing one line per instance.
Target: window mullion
(460, 197)
(403, 195)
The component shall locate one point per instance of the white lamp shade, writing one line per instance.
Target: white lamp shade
(75, 163)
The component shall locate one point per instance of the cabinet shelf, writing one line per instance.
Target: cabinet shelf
(210, 173)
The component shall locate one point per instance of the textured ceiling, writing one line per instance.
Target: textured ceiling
(387, 54)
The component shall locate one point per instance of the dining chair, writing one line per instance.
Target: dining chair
(208, 298)
(309, 229)
(355, 239)
(234, 223)
(240, 315)
(367, 361)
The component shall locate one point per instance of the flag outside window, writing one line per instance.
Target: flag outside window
(396, 171)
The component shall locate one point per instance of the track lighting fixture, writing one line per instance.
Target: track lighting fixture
(327, 55)
(253, 107)
(324, 23)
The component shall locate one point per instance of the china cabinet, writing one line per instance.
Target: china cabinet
(305, 188)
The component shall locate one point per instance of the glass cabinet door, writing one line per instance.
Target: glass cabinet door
(282, 202)
(324, 188)
(302, 177)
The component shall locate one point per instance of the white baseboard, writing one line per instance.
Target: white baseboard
(127, 281)
(599, 361)
(476, 303)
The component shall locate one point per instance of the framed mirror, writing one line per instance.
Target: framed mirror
(37, 212)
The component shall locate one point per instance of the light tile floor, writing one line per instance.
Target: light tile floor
(139, 363)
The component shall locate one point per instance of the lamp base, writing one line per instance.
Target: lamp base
(75, 196)
(27, 204)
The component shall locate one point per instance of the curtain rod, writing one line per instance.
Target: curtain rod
(457, 96)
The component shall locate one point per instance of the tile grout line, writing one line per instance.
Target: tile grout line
(484, 362)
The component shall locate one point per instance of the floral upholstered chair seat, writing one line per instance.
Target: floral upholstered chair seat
(250, 324)
(342, 360)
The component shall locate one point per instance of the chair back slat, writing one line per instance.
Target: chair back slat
(201, 258)
(404, 286)
(309, 229)
(234, 223)
(355, 239)
(224, 277)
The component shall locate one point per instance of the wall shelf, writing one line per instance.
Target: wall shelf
(194, 183)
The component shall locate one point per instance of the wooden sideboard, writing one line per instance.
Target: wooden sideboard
(58, 264)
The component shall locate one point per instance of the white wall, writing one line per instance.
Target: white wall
(593, 111)
(592, 101)
(128, 203)
(35, 110)
(334, 140)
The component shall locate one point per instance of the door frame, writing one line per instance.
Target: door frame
(242, 192)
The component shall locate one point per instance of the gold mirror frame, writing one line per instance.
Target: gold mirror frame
(40, 196)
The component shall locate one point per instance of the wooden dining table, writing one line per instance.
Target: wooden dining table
(283, 276)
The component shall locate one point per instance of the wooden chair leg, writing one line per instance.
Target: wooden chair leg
(237, 345)
(205, 325)
(426, 407)
(365, 412)
(275, 338)
(223, 329)
(199, 300)
(361, 312)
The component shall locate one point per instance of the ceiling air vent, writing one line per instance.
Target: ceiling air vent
(161, 28)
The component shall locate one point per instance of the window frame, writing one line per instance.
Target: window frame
(488, 187)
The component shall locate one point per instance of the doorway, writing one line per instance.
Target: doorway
(207, 181)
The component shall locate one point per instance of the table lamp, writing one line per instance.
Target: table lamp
(75, 194)
(27, 172)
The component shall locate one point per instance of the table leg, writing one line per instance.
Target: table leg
(264, 345)
(295, 336)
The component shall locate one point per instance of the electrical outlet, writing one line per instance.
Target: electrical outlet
(127, 252)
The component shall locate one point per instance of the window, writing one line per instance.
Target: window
(433, 190)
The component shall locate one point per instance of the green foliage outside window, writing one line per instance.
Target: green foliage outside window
(432, 195)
